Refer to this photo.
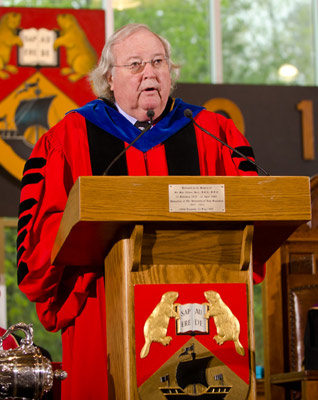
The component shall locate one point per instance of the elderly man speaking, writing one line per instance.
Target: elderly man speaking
(133, 82)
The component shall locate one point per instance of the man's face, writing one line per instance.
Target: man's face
(138, 92)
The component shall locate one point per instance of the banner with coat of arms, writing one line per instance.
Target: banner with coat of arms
(192, 341)
(45, 58)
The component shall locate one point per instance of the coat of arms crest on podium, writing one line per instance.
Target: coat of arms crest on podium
(191, 341)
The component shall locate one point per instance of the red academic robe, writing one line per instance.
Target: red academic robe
(10, 342)
(72, 298)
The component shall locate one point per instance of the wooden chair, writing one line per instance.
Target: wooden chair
(290, 290)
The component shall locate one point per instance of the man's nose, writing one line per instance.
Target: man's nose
(149, 69)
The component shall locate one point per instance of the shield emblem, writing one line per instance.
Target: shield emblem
(192, 340)
(41, 78)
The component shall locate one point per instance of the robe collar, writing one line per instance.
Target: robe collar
(105, 115)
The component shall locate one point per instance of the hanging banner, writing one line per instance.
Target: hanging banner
(45, 58)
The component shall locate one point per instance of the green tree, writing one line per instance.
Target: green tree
(258, 37)
(185, 23)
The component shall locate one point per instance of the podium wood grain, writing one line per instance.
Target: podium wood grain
(99, 206)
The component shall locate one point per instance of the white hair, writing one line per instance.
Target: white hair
(99, 75)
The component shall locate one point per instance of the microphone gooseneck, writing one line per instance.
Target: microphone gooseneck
(188, 114)
(150, 115)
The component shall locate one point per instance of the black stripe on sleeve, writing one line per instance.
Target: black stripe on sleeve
(247, 166)
(23, 221)
(30, 179)
(34, 163)
(23, 270)
(246, 150)
(26, 205)
(21, 237)
(20, 252)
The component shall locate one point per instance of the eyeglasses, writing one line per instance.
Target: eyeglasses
(137, 66)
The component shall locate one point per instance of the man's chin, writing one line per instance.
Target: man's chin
(152, 103)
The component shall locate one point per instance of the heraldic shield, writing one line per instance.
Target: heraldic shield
(45, 57)
(192, 341)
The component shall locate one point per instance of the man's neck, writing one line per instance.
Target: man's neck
(127, 116)
(133, 119)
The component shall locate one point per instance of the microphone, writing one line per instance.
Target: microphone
(188, 114)
(150, 115)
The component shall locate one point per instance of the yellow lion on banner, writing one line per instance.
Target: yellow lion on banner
(81, 56)
(9, 23)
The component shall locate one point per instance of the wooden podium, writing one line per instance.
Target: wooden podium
(161, 230)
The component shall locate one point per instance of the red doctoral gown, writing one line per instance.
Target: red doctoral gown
(70, 298)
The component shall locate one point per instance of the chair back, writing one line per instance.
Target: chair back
(302, 295)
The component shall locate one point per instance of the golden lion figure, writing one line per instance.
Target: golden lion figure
(80, 55)
(227, 325)
(9, 24)
(156, 326)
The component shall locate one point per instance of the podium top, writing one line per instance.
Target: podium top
(98, 206)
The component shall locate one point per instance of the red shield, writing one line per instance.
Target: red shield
(226, 361)
(45, 58)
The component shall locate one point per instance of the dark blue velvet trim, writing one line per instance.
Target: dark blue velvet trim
(111, 121)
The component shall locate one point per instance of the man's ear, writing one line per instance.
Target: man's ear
(109, 78)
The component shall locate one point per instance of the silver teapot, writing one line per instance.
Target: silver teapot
(24, 372)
